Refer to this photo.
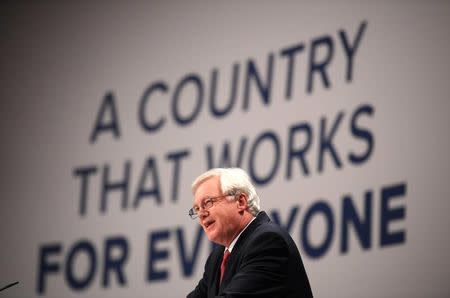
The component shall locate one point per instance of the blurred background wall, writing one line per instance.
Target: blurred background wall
(338, 110)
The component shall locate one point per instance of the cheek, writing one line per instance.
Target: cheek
(218, 228)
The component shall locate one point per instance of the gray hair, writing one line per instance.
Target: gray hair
(232, 181)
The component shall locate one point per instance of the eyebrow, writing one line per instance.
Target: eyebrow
(204, 200)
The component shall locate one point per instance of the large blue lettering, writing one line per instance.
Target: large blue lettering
(188, 262)
(143, 121)
(214, 109)
(350, 50)
(195, 81)
(253, 75)
(290, 53)
(45, 266)
(156, 255)
(389, 215)
(360, 133)
(320, 66)
(318, 208)
(361, 225)
(115, 262)
(84, 173)
(225, 159)
(176, 157)
(76, 282)
(298, 152)
(326, 142)
(121, 186)
(290, 221)
(150, 168)
(101, 125)
(272, 138)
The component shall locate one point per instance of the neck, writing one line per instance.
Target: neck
(245, 219)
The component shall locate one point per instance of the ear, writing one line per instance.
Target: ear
(242, 201)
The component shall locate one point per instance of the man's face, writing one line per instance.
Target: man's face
(221, 221)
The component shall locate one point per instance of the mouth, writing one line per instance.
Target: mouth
(208, 224)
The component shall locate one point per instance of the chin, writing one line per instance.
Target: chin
(213, 238)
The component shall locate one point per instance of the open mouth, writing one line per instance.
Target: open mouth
(208, 224)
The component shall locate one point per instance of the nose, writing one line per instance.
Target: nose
(202, 214)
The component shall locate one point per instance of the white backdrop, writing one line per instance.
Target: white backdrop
(77, 87)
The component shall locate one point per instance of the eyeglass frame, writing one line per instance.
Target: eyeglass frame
(208, 201)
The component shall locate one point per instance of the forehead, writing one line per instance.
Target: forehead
(208, 188)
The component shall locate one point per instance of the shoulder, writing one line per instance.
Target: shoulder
(269, 230)
(268, 233)
(264, 226)
(263, 235)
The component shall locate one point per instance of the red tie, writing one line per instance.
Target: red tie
(226, 255)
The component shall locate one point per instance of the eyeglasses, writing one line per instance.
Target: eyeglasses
(207, 204)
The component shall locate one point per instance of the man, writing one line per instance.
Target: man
(255, 257)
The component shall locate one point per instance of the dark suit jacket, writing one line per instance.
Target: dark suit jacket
(265, 262)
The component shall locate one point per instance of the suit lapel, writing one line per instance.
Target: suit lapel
(215, 272)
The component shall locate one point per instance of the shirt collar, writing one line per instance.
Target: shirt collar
(230, 248)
